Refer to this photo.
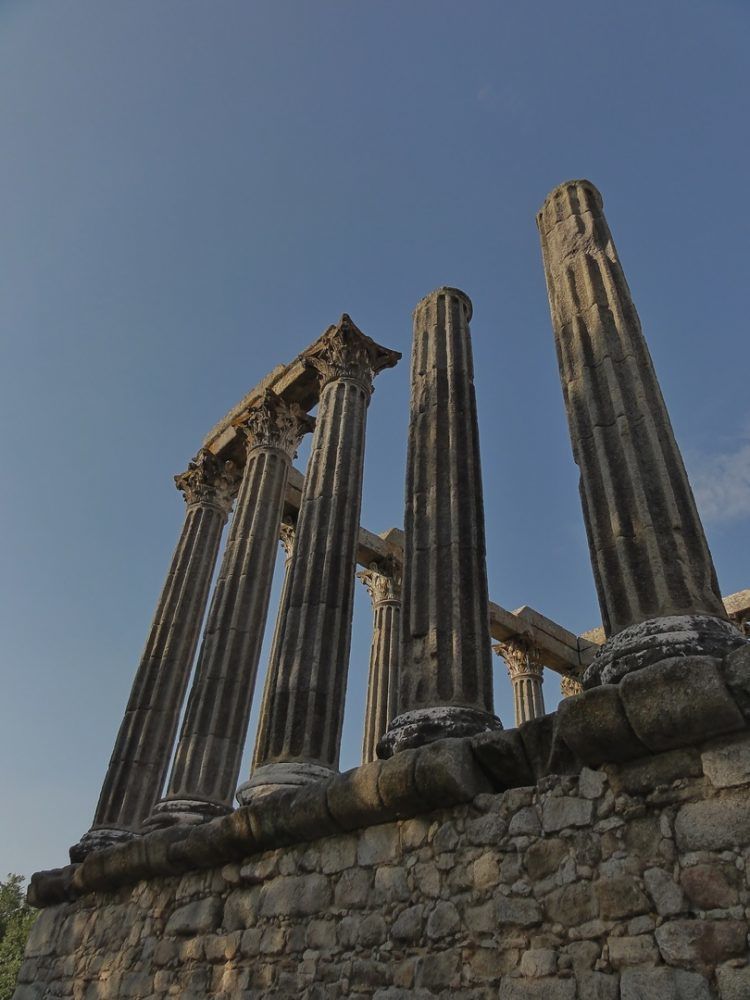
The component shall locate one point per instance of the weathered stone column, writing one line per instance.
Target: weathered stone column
(654, 574)
(527, 676)
(300, 730)
(208, 757)
(287, 534)
(570, 686)
(383, 582)
(445, 685)
(136, 772)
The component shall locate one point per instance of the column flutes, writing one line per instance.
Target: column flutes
(445, 680)
(299, 734)
(526, 675)
(383, 582)
(654, 574)
(144, 743)
(208, 757)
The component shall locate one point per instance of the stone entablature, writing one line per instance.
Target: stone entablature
(621, 881)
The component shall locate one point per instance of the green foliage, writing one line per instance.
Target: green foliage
(16, 918)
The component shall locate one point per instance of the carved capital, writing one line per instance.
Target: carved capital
(570, 686)
(345, 353)
(276, 424)
(383, 581)
(209, 482)
(287, 531)
(521, 657)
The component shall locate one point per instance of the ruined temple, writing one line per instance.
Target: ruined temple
(599, 852)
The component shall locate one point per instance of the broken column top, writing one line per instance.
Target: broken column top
(447, 290)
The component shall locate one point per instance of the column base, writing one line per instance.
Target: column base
(425, 725)
(659, 639)
(171, 812)
(97, 838)
(284, 774)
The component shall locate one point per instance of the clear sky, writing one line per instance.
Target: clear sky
(192, 191)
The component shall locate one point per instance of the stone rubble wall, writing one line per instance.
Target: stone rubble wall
(624, 882)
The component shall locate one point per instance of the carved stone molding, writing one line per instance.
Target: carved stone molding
(276, 424)
(345, 354)
(382, 580)
(209, 481)
(287, 531)
(569, 686)
(521, 657)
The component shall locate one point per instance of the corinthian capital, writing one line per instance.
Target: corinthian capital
(521, 657)
(209, 482)
(383, 580)
(287, 531)
(570, 686)
(276, 424)
(344, 352)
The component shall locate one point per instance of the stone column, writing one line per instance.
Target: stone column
(383, 582)
(570, 686)
(526, 674)
(287, 534)
(654, 574)
(144, 744)
(208, 757)
(300, 730)
(445, 685)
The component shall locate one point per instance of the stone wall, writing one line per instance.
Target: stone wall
(625, 881)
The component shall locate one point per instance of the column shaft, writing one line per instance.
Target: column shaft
(207, 761)
(527, 676)
(140, 758)
(648, 551)
(384, 586)
(299, 734)
(445, 686)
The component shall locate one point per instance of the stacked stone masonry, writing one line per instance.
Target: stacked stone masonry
(628, 882)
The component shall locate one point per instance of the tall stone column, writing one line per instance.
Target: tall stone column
(383, 582)
(299, 734)
(144, 743)
(445, 685)
(654, 574)
(527, 676)
(207, 761)
(570, 686)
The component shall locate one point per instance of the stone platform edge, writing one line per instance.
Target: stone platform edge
(677, 703)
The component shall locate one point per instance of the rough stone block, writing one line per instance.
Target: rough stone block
(446, 773)
(562, 811)
(714, 824)
(46, 888)
(701, 943)
(619, 898)
(537, 989)
(679, 702)
(598, 986)
(727, 764)
(734, 984)
(663, 984)
(503, 757)
(378, 845)
(536, 963)
(295, 895)
(397, 785)
(668, 897)
(44, 931)
(268, 818)
(443, 921)
(200, 917)
(353, 797)
(735, 669)
(309, 816)
(638, 950)
(643, 775)
(545, 751)
(595, 727)
(407, 926)
(572, 904)
(710, 887)
(521, 911)
(241, 908)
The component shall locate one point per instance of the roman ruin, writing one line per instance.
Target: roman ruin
(599, 852)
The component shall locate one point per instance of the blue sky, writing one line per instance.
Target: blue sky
(191, 192)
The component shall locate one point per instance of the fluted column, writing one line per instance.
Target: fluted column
(207, 761)
(140, 758)
(445, 683)
(299, 734)
(287, 534)
(570, 686)
(654, 574)
(383, 582)
(527, 676)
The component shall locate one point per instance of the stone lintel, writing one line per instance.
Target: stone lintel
(620, 726)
